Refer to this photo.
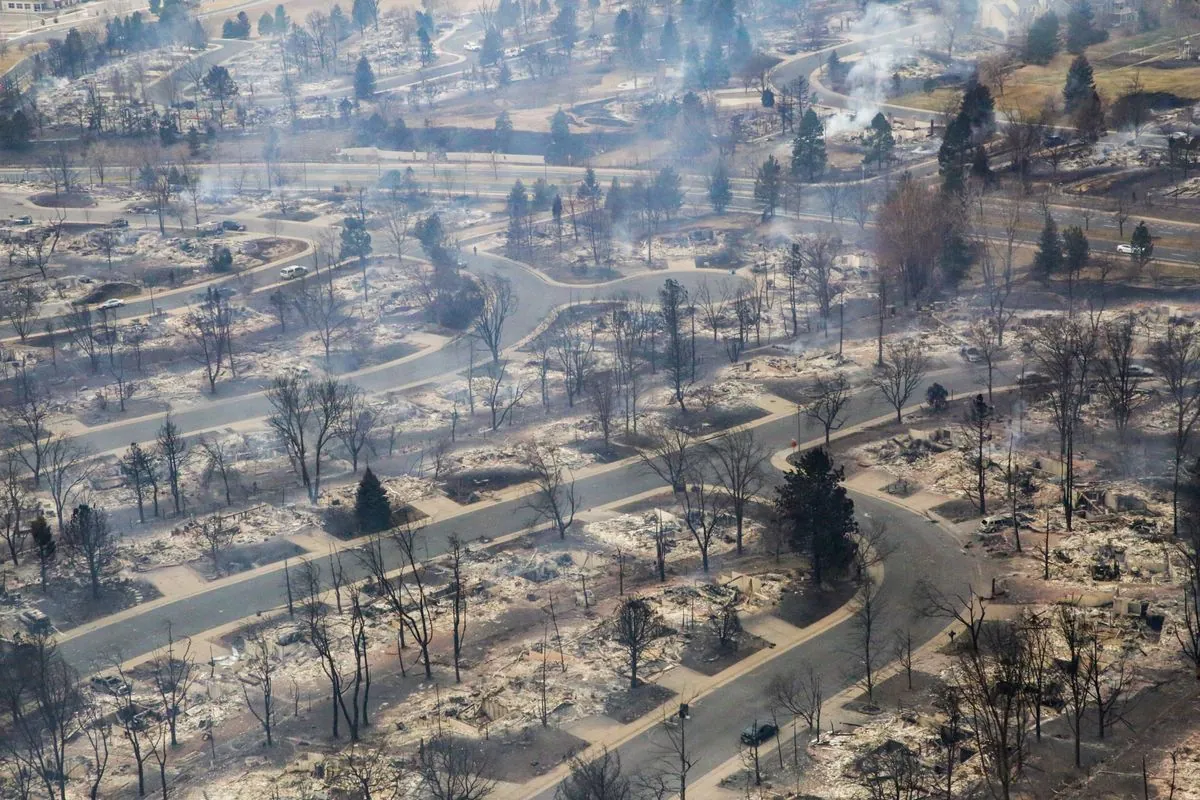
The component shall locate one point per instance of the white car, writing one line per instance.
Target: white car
(472, 47)
(294, 271)
(111, 303)
(1128, 249)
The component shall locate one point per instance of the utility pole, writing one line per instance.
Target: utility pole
(683, 762)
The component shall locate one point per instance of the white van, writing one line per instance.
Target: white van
(294, 271)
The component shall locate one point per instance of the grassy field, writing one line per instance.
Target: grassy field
(1030, 86)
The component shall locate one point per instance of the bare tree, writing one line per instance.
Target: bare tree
(357, 425)
(39, 691)
(668, 454)
(597, 779)
(215, 535)
(68, 469)
(416, 613)
(81, 326)
(603, 390)
(903, 368)
(289, 419)
(20, 306)
(990, 681)
(321, 636)
(260, 670)
(27, 417)
(13, 501)
(967, 610)
(458, 615)
(208, 328)
(306, 415)
(554, 499)
(499, 303)
(982, 337)
(220, 459)
(452, 769)
(1176, 357)
(635, 627)
(740, 466)
(500, 402)
(136, 722)
(703, 509)
(172, 673)
(1119, 376)
(97, 731)
(827, 402)
(173, 450)
(90, 540)
(1075, 670)
(323, 309)
(1065, 349)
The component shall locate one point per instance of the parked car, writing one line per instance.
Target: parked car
(758, 732)
(111, 303)
(210, 229)
(232, 225)
(25, 220)
(1138, 371)
(1129, 249)
(119, 222)
(294, 271)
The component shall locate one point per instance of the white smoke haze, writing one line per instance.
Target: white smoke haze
(870, 74)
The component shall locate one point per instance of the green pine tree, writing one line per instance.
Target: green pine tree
(817, 513)
(808, 148)
(1048, 260)
(768, 186)
(372, 509)
(1041, 42)
(1079, 86)
(720, 192)
(880, 141)
(364, 80)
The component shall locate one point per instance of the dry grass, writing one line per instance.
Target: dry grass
(12, 55)
(1030, 87)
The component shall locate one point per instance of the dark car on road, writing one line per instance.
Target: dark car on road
(758, 733)
(232, 225)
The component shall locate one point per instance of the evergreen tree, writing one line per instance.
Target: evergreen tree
(742, 48)
(372, 509)
(668, 42)
(716, 68)
(356, 239)
(266, 25)
(818, 514)
(364, 80)
(768, 186)
(1079, 86)
(561, 148)
(1048, 260)
(720, 192)
(1089, 118)
(808, 148)
(834, 69)
(1081, 31)
(426, 53)
(364, 13)
(1143, 244)
(979, 108)
(1041, 42)
(981, 170)
(955, 153)
(1075, 250)
(879, 141)
(281, 19)
(502, 132)
(955, 256)
(491, 49)
(693, 69)
(43, 542)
